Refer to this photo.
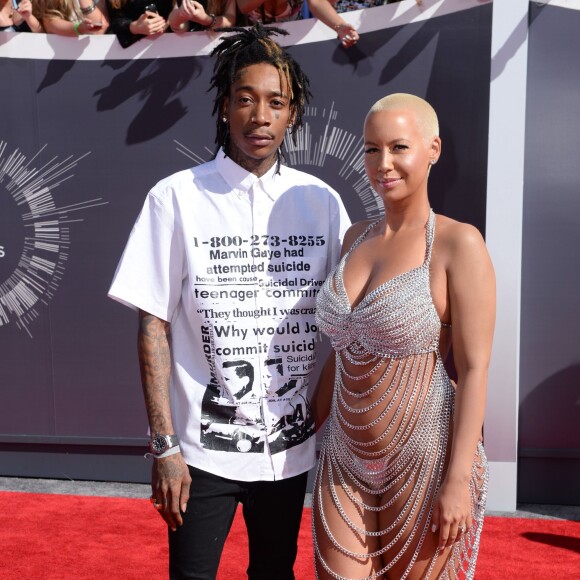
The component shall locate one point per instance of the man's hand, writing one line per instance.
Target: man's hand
(170, 481)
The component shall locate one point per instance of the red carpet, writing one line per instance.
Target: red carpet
(58, 537)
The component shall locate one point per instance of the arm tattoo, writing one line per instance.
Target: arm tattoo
(155, 365)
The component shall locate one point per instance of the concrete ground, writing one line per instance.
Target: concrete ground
(136, 490)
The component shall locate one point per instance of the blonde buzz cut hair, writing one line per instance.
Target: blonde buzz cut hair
(426, 115)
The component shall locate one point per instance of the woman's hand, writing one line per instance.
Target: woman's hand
(452, 512)
(190, 10)
(347, 35)
(194, 11)
(149, 24)
(87, 26)
(24, 14)
(25, 9)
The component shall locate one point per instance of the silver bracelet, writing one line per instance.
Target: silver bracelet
(88, 9)
(172, 451)
(212, 23)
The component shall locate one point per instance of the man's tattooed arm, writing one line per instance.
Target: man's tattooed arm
(155, 366)
(170, 476)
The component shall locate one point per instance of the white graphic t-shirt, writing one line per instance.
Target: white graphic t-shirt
(234, 263)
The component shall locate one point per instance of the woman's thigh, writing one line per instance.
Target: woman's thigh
(338, 519)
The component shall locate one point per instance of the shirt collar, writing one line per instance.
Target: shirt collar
(241, 180)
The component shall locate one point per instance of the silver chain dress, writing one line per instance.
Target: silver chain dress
(389, 431)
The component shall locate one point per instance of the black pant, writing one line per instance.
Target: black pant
(272, 512)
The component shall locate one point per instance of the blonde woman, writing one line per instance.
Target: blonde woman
(402, 478)
(73, 17)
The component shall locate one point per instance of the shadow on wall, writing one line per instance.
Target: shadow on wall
(549, 441)
(57, 69)
(411, 45)
(157, 85)
(404, 50)
(515, 40)
(162, 108)
(554, 403)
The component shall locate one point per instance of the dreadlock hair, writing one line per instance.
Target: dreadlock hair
(254, 46)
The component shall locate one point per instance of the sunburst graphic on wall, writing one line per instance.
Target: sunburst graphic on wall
(328, 151)
(34, 233)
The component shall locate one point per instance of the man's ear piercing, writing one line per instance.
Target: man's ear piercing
(432, 161)
(224, 119)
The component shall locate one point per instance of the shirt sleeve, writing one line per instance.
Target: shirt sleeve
(150, 273)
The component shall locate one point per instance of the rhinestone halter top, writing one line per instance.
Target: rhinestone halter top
(390, 426)
(397, 318)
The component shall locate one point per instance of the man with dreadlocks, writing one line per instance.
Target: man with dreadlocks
(228, 257)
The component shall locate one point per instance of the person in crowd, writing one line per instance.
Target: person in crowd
(19, 17)
(72, 17)
(270, 11)
(190, 15)
(223, 265)
(348, 5)
(132, 20)
(402, 477)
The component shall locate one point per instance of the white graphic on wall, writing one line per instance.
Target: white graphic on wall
(35, 232)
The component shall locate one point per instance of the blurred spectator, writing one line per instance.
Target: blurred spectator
(271, 11)
(72, 17)
(132, 20)
(348, 5)
(190, 15)
(17, 15)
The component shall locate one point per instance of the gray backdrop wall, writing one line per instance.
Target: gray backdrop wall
(93, 128)
(549, 435)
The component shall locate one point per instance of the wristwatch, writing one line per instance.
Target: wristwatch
(161, 443)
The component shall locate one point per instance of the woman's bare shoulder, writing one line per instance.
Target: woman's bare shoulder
(352, 234)
(459, 242)
(455, 234)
